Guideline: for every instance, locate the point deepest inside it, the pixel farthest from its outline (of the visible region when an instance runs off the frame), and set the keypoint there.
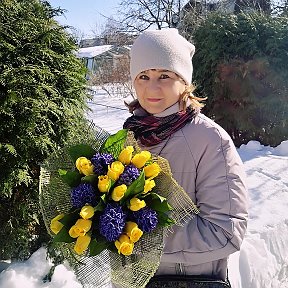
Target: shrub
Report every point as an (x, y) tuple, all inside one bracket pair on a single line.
[(42, 102), (241, 64), (251, 101)]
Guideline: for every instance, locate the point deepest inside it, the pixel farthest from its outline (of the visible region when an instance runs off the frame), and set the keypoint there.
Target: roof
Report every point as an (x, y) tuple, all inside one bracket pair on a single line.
[(90, 52)]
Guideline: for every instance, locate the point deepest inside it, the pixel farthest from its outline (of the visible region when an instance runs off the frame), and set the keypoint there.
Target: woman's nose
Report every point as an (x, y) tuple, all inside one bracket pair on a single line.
[(153, 84)]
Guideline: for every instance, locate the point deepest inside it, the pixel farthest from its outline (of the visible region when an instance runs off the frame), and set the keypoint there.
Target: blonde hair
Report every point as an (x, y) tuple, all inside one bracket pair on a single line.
[(188, 99)]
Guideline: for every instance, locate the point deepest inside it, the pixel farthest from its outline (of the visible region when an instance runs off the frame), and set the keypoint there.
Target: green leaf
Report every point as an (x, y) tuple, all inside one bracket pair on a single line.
[(72, 178), (157, 202), (81, 150), (103, 197), (101, 205), (10, 148), (136, 187), (63, 236), (164, 220), (111, 184), (120, 136), (97, 247), (112, 248), (70, 218), (115, 143), (92, 179)]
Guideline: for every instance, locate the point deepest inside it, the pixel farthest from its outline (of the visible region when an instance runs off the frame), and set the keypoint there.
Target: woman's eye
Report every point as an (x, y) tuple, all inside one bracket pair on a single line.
[(143, 77), (164, 76)]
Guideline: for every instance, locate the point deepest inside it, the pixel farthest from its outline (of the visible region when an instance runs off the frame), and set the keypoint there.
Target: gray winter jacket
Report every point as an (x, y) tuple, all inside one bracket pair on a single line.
[(204, 161)]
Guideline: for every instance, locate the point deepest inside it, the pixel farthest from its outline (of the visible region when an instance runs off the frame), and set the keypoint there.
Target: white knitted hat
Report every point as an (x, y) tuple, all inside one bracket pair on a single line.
[(162, 49)]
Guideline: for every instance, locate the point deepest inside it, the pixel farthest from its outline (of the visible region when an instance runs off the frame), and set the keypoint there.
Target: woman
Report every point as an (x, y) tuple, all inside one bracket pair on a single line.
[(167, 121)]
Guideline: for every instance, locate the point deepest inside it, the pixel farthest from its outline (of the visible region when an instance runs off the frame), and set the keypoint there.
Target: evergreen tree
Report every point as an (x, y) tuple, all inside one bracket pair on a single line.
[(42, 102)]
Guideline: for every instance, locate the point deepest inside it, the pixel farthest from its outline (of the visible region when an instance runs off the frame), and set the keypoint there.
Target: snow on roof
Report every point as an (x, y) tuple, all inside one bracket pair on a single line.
[(90, 52)]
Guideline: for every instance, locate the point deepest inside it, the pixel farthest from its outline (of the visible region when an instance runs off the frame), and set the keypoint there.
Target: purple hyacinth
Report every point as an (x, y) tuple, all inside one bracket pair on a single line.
[(83, 194), (100, 162), (146, 219), (129, 174), (112, 222)]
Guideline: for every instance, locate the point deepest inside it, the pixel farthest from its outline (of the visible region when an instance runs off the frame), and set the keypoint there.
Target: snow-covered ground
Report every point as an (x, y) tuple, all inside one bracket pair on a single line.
[(263, 258), (262, 261)]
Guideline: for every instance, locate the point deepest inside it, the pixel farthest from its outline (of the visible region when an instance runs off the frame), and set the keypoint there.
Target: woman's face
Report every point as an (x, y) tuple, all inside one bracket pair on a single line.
[(158, 89)]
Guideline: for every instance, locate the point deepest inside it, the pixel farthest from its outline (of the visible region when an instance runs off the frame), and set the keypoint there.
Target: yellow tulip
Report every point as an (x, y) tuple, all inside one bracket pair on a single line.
[(81, 227), (118, 192), (124, 245), (84, 166), (149, 185), (136, 204), (132, 230), (140, 159), (103, 183), (87, 212), (152, 170), (55, 225), (126, 155), (115, 170), (74, 232), (82, 244)]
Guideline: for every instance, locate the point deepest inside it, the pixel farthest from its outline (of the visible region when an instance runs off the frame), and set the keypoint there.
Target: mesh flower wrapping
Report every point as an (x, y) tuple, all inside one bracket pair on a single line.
[(102, 243)]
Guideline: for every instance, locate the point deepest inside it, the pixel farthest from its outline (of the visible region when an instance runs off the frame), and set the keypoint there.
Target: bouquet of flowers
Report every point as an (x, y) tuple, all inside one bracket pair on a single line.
[(114, 199), (111, 207)]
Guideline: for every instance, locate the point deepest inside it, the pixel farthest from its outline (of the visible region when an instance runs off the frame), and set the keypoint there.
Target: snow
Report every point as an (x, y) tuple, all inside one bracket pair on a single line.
[(90, 52), (29, 274), (262, 261), (263, 258)]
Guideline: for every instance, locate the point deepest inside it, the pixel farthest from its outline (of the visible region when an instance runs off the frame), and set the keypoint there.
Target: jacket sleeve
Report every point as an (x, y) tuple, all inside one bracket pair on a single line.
[(221, 196)]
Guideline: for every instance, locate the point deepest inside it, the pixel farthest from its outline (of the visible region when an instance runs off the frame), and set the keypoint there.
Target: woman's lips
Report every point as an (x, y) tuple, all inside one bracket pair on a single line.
[(153, 99)]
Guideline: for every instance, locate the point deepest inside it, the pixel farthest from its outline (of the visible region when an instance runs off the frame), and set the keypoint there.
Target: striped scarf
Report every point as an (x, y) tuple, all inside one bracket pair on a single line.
[(151, 130)]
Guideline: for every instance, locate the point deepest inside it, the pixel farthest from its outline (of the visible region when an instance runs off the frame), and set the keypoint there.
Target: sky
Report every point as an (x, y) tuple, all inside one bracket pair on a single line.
[(262, 259), (85, 15)]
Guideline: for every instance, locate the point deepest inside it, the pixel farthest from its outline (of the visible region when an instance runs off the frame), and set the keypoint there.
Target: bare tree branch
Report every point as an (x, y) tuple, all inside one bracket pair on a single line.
[(138, 15)]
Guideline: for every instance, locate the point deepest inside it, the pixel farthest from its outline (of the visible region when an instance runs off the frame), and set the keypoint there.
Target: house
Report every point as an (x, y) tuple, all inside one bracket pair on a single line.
[(203, 7), (90, 54), (97, 57), (229, 6), (116, 38)]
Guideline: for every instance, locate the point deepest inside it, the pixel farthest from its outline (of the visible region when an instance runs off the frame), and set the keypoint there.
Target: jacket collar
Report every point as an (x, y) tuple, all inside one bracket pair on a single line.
[(170, 110)]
